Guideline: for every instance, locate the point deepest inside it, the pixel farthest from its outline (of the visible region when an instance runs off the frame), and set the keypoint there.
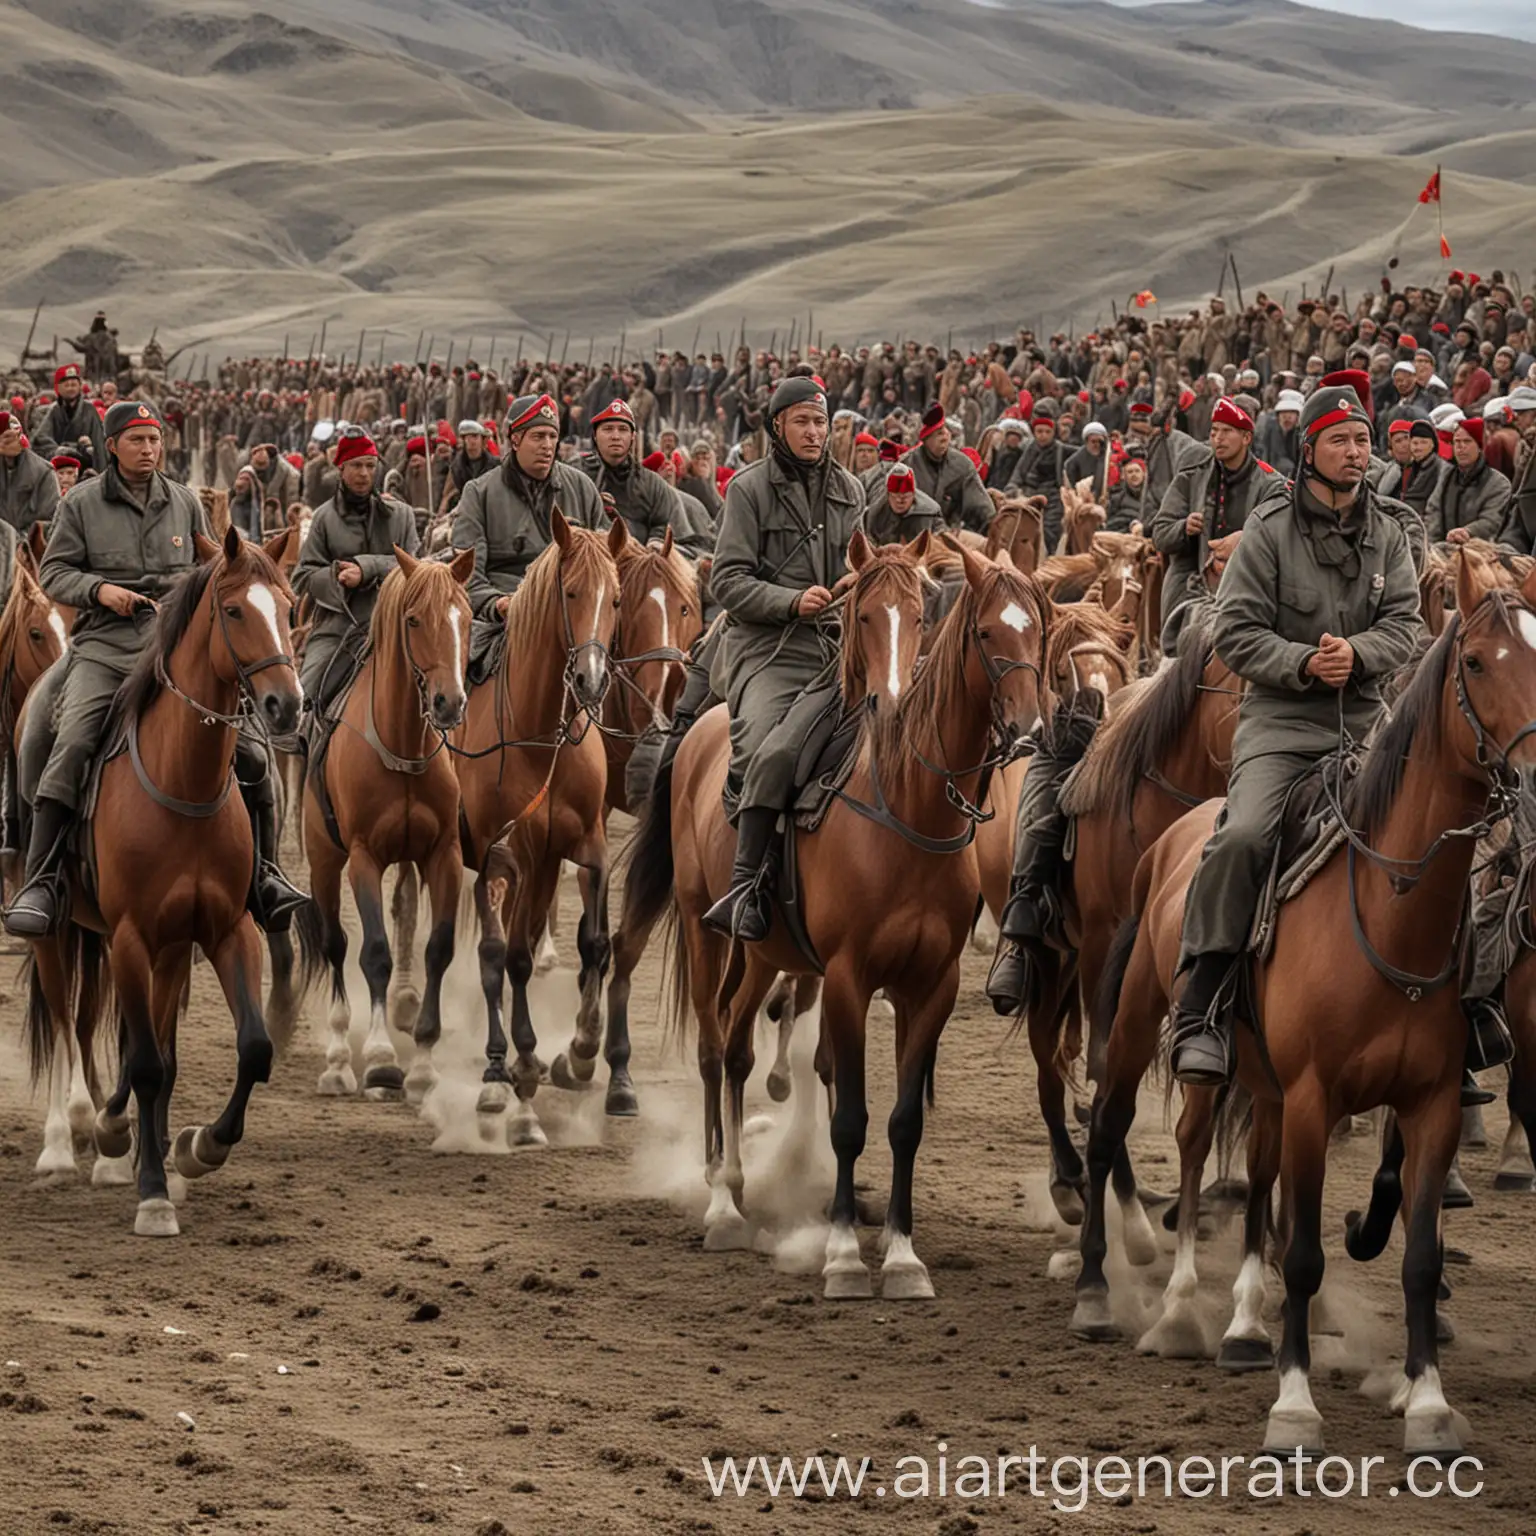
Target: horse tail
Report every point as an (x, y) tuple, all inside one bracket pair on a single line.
[(39, 1026), (314, 963), (677, 1010), (648, 872), (83, 965), (1366, 1236), (93, 1000)]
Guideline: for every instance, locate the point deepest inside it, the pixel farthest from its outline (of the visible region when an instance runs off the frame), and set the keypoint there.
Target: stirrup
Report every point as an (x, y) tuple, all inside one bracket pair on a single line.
[(1204, 1050), (1489, 1041), (34, 911), (1008, 979)]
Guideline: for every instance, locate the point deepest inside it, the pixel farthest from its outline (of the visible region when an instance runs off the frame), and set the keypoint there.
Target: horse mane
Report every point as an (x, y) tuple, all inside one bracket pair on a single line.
[(1371, 796), (535, 606), (1135, 739), (397, 588), (897, 737), (643, 566)]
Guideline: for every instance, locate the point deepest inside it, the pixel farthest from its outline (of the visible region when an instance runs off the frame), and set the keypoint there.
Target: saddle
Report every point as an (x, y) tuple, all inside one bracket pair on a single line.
[(826, 759)]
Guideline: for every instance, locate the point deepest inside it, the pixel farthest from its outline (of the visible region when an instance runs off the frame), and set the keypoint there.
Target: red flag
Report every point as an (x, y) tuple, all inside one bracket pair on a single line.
[(1445, 249), (1145, 297), (1431, 192)]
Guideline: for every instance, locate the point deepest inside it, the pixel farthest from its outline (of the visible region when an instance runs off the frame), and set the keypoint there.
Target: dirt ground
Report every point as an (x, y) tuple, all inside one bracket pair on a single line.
[(369, 1333)]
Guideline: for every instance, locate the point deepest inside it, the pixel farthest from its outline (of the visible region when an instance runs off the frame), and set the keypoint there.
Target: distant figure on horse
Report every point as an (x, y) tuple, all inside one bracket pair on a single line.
[(118, 543)]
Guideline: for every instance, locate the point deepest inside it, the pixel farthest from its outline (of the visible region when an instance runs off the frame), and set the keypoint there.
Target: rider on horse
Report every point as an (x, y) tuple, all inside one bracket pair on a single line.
[(783, 546), (349, 552), (640, 496), (1318, 605), (118, 542), (504, 518)]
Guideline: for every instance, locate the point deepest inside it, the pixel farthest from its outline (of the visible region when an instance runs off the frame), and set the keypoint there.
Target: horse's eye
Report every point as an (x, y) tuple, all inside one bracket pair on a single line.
[(234, 611), (983, 634), (615, 602), (863, 618), (683, 611), (413, 621), (36, 636), (1474, 666)]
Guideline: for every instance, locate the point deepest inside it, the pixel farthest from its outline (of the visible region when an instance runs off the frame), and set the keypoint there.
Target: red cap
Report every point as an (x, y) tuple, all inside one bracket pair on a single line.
[(445, 434), (362, 447), (1230, 414), (933, 419), (1026, 402), (866, 440), (7, 421), (1186, 398), (416, 444), (1141, 408), (59, 460), (901, 478), (296, 459), (653, 461), (1473, 427), (679, 462), (890, 450), (1399, 426), (975, 458), (615, 410), (65, 371), (542, 410), (1356, 379), (723, 476)]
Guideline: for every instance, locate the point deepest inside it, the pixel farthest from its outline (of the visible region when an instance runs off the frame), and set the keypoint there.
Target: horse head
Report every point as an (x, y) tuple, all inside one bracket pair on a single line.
[(426, 612), (660, 616), (588, 580), (1493, 668), (250, 643), (32, 631), (883, 625), (1007, 620)]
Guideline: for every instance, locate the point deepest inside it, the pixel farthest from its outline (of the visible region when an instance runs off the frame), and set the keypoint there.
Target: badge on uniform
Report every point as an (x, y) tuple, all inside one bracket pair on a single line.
[(1378, 581), (175, 541)]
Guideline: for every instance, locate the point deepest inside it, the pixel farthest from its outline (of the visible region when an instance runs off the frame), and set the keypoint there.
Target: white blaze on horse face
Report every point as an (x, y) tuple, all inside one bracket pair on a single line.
[(1527, 622), (56, 623), (659, 597), (458, 649), (893, 678), (1015, 617), (259, 596)]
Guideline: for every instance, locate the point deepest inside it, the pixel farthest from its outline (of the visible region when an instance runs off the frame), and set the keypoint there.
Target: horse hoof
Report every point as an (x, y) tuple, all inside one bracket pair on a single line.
[(1445, 1329), (778, 1086), (191, 1153), (112, 1172), (1514, 1183), (621, 1101), (1292, 1431), (337, 1083), (419, 1084), (1473, 1132), (56, 1164), (1091, 1320), (730, 1233), (1456, 1197), (1239, 1355), (1068, 1202), (1064, 1264), (563, 1073), (1431, 1432), (847, 1283), (114, 1138), (175, 1187), (384, 1084), (906, 1282), (530, 1134), (156, 1218), (494, 1098)]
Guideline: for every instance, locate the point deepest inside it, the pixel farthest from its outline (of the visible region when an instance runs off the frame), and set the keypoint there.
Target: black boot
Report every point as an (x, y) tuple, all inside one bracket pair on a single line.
[(1011, 978), (34, 911), (1489, 1044), (1204, 1052), (273, 898), (745, 910)]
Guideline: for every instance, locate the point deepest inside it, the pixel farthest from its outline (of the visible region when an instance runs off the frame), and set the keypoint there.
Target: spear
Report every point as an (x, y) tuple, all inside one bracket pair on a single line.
[(564, 348), (285, 346), (382, 335), (789, 346), (1237, 282), (419, 335), (490, 353), (693, 351), (1221, 281), (623, 336), (469, 351), (1328, 281), (591, 343), (360, 336)]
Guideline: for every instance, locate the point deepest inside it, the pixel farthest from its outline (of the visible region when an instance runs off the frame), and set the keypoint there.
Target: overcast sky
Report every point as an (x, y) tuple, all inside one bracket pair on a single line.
[(1506, 18)]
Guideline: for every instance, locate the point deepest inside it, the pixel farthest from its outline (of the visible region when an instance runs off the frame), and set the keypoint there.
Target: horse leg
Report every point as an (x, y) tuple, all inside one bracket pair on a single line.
[(282, 997), (628, 946), (156, 1216), (444, 875), (1516, 1172), (706, 957), (904, 1276), (573, 1069), (237, 961), (1178, 1334), (56, 1162), (1294, 1421), (167, 991), (530, 901), (326, 862), (782, 1006), (1430, 1138), (496, 1087), (1051, 1091), (113, 1131), (844, 1007), (549, 957), (1129, 1052), (382, 1077), (1245, 1346), (739, 1013), (404, 997)]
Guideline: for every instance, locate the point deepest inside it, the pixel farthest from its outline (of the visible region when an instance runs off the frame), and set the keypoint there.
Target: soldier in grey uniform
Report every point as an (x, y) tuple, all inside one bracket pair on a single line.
[(349, 552), (504, 518), (640, 496), (118, 541), (1205, 508), (29, 490), (1319, 597), (947, 475), (783, 546), (899, 512)]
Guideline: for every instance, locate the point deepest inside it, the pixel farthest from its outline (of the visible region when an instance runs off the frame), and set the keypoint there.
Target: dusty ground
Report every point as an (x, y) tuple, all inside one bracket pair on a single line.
[(369, 1333)]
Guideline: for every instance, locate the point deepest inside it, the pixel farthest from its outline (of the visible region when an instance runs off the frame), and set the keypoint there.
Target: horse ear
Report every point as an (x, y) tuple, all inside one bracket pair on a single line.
[(1469, 590), (232, 543), (406, 562), (859, 552), (25, 559), (463, 564), (918, 548), (975, 567), (204, 547), (618, 537), (276, 548), (666, 543), (37, 542), (1004, 557), (560, 530)]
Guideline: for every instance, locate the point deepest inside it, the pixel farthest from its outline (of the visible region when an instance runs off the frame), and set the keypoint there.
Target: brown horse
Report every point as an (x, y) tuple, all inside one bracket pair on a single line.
[(533, 773), (1081, 518), (887, 882), (1356, 1004), (395, 798), (170, 843)]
